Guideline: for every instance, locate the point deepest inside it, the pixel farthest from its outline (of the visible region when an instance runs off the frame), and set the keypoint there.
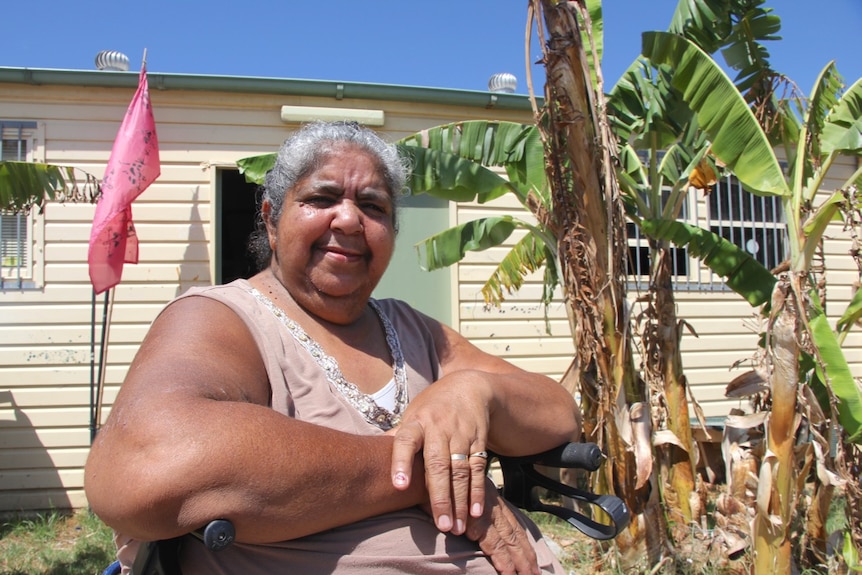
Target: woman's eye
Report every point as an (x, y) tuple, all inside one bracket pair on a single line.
[(320, 201), (374, 207)]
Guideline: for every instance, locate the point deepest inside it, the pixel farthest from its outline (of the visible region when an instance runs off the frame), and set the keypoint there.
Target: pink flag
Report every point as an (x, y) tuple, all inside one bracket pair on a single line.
[(132, 167)]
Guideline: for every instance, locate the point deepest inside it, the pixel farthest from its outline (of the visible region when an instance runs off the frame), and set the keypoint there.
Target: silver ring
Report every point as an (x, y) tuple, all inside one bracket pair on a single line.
[(482, 454), (458, 457)]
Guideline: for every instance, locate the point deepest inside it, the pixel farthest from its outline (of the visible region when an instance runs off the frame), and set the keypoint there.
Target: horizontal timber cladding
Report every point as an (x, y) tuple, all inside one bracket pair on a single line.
[(46, 332), (46, 328)]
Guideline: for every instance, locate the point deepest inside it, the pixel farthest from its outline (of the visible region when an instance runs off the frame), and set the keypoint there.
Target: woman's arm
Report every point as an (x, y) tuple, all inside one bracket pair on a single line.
[(480, 402), (528, 412), (191, 438)]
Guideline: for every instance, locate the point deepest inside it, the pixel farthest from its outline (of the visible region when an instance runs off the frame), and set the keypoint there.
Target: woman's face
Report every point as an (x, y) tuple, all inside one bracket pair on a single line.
[(335, 235)]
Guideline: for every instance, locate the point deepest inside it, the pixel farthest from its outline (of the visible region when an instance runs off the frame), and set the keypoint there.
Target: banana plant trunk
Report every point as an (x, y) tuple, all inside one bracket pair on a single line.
[(589, 222), (663, 369), (777, 493)]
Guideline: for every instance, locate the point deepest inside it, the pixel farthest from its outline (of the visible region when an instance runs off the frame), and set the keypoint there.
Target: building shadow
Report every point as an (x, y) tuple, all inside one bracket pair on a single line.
[(193, 268), (31, 481)]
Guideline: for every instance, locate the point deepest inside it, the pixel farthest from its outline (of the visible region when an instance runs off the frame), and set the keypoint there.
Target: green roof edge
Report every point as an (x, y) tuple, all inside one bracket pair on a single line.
[(261, 85)]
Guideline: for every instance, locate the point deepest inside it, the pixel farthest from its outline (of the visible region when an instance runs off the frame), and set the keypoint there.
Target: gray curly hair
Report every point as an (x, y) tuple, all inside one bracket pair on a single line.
[(302, 153)]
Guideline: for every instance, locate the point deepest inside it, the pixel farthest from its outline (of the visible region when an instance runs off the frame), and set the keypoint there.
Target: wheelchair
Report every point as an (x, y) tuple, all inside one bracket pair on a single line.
[(522, 485)]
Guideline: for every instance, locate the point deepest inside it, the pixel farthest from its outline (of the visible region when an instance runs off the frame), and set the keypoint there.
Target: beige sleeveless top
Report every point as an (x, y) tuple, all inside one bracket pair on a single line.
[(405, 541)]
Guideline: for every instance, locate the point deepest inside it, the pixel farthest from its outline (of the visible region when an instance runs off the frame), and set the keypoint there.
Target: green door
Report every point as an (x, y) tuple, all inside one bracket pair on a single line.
[(429, 292)]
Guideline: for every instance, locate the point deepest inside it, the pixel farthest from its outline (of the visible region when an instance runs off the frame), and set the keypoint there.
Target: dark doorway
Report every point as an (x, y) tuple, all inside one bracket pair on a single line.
[(237, 207)]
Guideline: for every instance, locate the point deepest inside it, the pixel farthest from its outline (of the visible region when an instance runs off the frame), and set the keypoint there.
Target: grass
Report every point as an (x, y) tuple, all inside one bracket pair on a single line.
[(80, 544), (55, 544)]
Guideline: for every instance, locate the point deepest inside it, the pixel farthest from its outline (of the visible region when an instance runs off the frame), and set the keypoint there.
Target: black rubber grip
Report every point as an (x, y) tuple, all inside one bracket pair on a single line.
[(573, 455), (219, 534), (567, 456)]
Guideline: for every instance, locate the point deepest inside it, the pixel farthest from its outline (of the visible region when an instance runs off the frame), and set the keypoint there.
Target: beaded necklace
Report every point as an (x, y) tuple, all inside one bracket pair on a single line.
[(362, 402)]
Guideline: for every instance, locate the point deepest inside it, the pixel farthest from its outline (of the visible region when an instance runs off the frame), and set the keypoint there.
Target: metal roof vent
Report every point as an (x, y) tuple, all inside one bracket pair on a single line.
[(503, 82), (112, 60)]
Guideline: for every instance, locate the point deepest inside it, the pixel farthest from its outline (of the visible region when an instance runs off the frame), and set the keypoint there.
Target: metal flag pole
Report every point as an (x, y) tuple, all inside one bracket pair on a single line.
[(107, 312)]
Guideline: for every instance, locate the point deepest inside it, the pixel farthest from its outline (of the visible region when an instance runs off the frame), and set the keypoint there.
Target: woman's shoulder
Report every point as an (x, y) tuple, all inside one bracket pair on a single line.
[(236, 296), (219, 291)]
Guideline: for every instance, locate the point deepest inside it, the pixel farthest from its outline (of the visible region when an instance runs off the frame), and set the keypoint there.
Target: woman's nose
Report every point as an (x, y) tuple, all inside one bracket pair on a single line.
[(347, 218)]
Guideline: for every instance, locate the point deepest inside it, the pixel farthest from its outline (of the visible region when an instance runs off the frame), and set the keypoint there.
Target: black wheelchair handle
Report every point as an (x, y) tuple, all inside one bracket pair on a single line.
[(586, 456), (217, 535)]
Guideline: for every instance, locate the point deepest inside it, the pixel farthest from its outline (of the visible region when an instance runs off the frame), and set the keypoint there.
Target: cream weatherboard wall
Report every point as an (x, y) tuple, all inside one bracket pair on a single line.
[(45, 367), (204, 125)]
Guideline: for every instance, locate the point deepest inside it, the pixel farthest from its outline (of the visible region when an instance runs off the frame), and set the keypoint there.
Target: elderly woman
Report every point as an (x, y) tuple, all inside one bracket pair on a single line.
[(338, 433)]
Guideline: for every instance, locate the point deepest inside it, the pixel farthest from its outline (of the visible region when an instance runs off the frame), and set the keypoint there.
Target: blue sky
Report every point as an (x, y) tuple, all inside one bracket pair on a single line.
[(440, 43)]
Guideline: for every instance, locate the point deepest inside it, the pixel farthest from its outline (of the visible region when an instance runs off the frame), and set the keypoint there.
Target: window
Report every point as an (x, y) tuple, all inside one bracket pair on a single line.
[(639, 260), (753, 223), (16, 230)]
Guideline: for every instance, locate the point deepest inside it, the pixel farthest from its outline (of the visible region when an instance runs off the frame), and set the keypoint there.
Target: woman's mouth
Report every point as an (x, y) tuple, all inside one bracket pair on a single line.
[(342, 254)]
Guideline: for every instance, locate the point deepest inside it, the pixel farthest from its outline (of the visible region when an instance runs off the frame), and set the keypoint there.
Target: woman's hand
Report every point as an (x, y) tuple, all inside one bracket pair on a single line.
[(448, 422), (502, 537)]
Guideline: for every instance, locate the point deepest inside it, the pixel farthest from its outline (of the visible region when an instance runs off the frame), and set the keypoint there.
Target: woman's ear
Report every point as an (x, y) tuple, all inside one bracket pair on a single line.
[(265, 213)]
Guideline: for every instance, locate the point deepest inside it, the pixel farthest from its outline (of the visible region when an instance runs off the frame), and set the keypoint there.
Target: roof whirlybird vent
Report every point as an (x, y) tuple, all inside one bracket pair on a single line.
[(112, 60), (503, 82)]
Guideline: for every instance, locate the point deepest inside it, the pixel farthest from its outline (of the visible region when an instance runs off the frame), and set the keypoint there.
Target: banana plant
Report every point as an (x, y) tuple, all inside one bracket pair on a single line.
[(828, 128), (647, 116), (440, 158), (662, 154), (25, 185), (650, 117)]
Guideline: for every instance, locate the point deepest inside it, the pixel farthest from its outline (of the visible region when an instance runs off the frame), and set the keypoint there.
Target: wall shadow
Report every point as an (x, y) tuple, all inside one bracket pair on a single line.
[(196, 255), (30, 481)]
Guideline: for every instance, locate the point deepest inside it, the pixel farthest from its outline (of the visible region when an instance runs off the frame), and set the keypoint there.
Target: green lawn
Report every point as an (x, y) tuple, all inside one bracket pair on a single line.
[(55, 544), (80, 544)]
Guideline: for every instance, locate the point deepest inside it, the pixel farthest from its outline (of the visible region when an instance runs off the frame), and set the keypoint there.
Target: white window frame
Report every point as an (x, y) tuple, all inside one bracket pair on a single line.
[(28, 228)]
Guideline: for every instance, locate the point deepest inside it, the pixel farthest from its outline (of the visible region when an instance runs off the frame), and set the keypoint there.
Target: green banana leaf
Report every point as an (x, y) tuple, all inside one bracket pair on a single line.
[(254, 168), (850, 554), (742, 273), (24, 185), (451, 245), (516, 147), (645, 110), (527, 256), (737, 138), (842, 130), (852, 314), (838, 373), (529, 174), (485, 142), (824, 97), (454, 162), (826, 213), (450, 177), (745, 50), (597, 30), (703, 21)]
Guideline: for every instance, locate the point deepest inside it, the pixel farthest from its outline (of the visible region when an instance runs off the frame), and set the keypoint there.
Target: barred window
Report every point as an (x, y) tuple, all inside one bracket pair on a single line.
[(753, 223), (639, 259), (16, 230)]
